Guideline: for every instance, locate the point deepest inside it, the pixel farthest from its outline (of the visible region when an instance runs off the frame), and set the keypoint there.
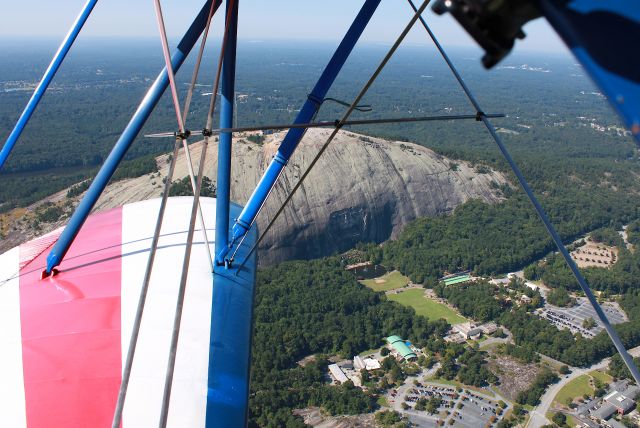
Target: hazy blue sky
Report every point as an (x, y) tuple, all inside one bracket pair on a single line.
[(260, 20)]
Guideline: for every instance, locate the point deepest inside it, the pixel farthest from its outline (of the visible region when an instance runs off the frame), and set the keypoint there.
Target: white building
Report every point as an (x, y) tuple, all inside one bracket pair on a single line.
[(365, 363), (467, 330), (337, 374)]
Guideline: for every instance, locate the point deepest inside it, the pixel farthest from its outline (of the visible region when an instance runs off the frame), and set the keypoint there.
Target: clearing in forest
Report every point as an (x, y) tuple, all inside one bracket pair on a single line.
[(574, 389), (386, 282), (427, 307)]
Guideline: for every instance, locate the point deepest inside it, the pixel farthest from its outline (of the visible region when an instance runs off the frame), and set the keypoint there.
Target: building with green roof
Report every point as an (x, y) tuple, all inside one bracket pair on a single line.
[(401, 348)]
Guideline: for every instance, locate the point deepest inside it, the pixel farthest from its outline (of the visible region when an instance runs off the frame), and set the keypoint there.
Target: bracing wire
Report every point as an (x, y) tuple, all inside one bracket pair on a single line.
[(133, 341), (338, 126), (333, 123), (176, 104), (168, 382), (540, 211)]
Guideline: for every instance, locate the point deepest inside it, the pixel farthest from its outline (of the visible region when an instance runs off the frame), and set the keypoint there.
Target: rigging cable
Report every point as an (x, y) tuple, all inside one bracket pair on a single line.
[(133, 341), (168, 382), (540, 211), (338, 126), (334, 123), (183, 133)]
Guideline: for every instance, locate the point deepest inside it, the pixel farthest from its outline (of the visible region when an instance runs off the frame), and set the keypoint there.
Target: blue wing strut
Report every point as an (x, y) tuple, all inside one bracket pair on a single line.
[(46, 80)]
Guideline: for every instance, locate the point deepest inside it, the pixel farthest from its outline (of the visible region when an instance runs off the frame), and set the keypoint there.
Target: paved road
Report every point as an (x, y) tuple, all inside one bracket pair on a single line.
[(538, 417), (497, 340)]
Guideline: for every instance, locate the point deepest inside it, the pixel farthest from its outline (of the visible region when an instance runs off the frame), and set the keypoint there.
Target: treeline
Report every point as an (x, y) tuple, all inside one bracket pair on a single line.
[(537, 335), (608, 236), (316, 307), (474, 300), (531, 395), (183, 188), (618, 369), (560, 297), (467, 365), (492, 239)]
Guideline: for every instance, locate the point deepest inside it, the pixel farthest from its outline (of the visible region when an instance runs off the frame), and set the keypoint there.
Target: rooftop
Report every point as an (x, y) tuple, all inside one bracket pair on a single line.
[(401, 347), (605, 411)]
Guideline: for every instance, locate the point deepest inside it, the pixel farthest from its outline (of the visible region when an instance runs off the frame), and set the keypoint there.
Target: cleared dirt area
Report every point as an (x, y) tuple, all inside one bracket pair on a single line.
[(514, 376), (314, 417), (595, 255)]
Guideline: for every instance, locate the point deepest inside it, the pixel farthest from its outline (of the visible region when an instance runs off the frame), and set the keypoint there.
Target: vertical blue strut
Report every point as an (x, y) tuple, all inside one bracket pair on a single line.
[(293, 137), (126, 139), (227, 91), (46, 80)]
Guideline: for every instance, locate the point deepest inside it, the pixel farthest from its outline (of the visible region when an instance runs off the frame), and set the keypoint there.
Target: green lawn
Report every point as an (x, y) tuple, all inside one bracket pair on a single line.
[(574, 389), (603, 377), (386, 282), (369, 352), (427, 307)]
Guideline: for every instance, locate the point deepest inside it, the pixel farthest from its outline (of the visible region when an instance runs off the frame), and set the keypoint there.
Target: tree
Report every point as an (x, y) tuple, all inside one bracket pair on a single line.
[(564, 369), (421, 404), (433, 405), (589, 323), (388, 418), (499, 333), (384, 351), (560, 297), (559, 418)]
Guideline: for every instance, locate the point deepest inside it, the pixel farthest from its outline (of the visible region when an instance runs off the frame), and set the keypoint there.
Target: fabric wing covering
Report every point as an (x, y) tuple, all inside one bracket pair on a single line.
[(64, 338)]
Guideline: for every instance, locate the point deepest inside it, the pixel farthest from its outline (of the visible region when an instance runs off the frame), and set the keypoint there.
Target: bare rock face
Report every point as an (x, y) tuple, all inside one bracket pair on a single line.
[(361, 189)]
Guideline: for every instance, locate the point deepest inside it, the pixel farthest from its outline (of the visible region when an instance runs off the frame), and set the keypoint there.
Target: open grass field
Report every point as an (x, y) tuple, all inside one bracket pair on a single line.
[(603, 377), (427, 307), (369, 352), (386, 282), (576, 388)]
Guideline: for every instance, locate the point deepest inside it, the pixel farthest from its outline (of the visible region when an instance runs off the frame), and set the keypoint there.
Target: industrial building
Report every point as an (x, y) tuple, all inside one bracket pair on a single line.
[(400, 349), (621, 403), (337, 374), (365, 363)]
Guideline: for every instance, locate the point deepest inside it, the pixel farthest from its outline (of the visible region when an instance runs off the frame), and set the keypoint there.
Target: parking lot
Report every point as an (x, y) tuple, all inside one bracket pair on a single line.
[(574, 317), (463, 408)]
